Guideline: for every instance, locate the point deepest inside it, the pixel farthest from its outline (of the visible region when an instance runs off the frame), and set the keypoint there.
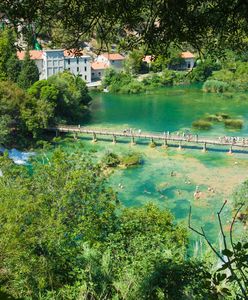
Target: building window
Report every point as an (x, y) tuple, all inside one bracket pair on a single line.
[(77, 69), (77, 60), (69, 69), (93, 74), (85, 60), (69, 61), (85, 77), (85, 69), (99, 73)]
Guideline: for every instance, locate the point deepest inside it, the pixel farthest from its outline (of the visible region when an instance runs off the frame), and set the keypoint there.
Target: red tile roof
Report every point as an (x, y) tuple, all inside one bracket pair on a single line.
[(113, 56), (34, 54), (98, 65), (187, 54)]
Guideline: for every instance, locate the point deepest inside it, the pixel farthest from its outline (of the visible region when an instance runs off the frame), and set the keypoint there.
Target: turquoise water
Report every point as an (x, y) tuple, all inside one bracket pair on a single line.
[(215, 173), (167, 109)]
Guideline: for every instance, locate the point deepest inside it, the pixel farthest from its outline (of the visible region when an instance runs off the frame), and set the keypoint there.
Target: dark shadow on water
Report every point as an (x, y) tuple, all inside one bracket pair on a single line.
[(148, 187), (159, 144), (181, 210), (170, 192)]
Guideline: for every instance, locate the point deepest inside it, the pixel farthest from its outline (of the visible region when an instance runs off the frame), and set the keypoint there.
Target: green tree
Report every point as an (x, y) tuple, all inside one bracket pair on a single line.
[(204, 70), (159, 63), (13, 68), (72, 99), (133, 63), (7, 52), (46, 218), (11, 99), (29, 72), (212, 24)]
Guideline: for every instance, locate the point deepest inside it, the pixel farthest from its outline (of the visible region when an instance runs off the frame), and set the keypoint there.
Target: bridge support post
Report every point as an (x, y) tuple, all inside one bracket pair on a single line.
[(132, 140), (180, 145), (114, 139), (94, 140), (204, 148), (165, 144), (152, 143), (75, 136), (230, 149), (57, 133)]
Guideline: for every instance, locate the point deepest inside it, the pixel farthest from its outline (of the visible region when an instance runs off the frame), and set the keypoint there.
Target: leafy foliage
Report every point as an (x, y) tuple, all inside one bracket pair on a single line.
[(203, 70), (43, 230), (215, 86), (11, 101), (7, 55), (24, 115), (67, 241), (210, 25), (29, 72), (111, 159)]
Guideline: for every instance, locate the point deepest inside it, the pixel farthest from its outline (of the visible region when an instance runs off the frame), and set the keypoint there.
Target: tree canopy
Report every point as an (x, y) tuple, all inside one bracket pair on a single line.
[(153, 23), (64, 236)]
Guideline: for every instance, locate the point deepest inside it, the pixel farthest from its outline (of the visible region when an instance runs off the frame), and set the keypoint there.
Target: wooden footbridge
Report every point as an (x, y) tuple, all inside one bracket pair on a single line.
[(164, 137)]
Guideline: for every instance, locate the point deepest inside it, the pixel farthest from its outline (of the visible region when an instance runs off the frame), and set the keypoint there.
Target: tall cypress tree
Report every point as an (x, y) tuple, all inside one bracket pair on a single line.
[(29, 72), (13, 67), (7, 50)]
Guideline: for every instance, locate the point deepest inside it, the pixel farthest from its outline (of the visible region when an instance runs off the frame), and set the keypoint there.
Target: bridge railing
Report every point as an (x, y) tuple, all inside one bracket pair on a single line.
[(180, 136)]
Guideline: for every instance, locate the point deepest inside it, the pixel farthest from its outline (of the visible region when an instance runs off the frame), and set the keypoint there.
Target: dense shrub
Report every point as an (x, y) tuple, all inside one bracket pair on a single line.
[(203, 70), (215, 86), (127, 84), (234, 79), (111, 160)]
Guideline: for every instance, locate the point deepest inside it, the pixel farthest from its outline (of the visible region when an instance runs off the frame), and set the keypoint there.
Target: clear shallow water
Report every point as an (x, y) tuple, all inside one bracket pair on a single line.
[(174, 109), (167, 109)]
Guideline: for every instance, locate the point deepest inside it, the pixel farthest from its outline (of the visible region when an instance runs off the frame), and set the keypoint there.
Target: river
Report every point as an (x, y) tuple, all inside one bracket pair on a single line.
[(215, 173)]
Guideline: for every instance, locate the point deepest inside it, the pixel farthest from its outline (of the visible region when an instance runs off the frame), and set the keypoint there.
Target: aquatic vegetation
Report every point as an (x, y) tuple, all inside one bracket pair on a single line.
[(223, 115), (202, 124), (213, 118), (131, 159), (232, 123), (217, 117)]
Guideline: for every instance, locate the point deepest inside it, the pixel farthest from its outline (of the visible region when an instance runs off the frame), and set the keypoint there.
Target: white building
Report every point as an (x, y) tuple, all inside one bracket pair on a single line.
[(113, 60), (51, 62), (97, 70), (189, 59), (78, 65)]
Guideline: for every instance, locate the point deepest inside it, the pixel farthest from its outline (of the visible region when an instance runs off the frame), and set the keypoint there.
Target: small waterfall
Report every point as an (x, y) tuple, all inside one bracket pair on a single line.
[(19, 157), (196, 249)]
